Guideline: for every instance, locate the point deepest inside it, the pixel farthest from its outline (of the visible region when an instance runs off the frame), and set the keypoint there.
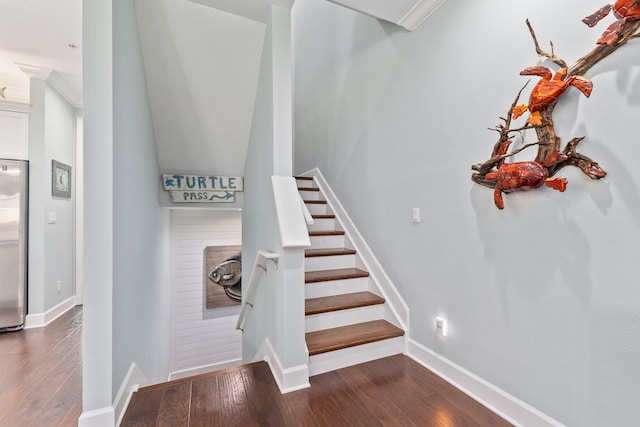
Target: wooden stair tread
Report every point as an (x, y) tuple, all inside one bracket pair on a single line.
[(306, 178), (326, 233), (315, 202), (308, 189), (310, 253), (340, 302), (327, 216), (349, 336), (337, 274)]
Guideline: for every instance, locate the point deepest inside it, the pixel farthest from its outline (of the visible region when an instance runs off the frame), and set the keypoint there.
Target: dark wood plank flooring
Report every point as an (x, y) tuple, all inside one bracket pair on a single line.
[(41, 374), (394, 391)]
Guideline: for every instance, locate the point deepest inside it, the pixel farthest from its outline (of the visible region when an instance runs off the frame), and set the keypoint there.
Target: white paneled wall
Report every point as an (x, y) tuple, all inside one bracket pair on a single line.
[(203, 340)]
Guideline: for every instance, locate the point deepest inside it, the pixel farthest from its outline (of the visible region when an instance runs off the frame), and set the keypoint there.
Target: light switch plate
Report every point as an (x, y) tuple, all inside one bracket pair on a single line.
[(52, 217), (415, 219)]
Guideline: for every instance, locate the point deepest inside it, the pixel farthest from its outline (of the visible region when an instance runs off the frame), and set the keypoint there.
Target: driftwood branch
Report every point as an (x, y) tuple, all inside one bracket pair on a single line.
[(551, 55), (548, 141), (584, 64)]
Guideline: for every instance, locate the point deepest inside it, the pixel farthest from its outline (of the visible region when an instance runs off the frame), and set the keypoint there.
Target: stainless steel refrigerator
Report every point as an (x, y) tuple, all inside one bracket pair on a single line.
[(13, 244)]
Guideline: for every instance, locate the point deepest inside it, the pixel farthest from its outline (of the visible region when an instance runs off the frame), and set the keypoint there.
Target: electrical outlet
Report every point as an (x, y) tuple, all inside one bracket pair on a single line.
[(441, 326), (59, 286)]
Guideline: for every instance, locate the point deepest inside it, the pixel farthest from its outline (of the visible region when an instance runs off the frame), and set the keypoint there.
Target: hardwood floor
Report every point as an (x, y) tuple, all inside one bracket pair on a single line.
[(41, 374), (395, 391)]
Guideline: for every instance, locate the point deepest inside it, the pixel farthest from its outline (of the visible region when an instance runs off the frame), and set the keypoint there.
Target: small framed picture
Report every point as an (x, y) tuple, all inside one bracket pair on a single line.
[(60, 180)]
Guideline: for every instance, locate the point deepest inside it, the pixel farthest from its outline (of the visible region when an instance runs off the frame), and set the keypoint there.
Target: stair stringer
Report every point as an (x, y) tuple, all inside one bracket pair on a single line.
[(397, 309)]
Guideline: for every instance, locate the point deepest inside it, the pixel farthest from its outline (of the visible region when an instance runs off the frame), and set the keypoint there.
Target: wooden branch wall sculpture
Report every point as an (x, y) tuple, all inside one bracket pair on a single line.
[(506, 177)]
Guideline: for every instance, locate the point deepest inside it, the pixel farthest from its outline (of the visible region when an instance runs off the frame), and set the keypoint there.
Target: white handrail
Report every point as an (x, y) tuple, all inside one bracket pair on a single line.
[(261, 257)]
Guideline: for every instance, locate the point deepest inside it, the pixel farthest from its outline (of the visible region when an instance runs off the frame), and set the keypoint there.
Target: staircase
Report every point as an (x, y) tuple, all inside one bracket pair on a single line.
[(347, 319)]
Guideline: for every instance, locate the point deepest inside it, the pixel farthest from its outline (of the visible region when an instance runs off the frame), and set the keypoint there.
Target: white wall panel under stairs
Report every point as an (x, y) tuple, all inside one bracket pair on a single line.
[(202, 343)]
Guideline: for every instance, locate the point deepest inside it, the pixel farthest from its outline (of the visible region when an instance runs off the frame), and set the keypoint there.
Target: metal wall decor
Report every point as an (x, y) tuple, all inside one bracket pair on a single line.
[(505, 177), (60, 180), (222, 276)]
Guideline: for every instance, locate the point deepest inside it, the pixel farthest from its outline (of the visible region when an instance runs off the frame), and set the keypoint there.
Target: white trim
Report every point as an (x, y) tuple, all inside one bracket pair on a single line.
[(288, 380), (40, 320), (418, 13), (16, 107), (291, 223), (205, 369), (79, 212), (33, 71), (502, 403), (371, 264), (59, 85), (103, 417), (133, 380)]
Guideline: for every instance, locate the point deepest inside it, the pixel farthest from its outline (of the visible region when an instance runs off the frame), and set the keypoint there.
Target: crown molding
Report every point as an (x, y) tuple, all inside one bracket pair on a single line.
[(17, 107), (408, 14), (60, 86), (34, 72), (420, 11), (54, 80)]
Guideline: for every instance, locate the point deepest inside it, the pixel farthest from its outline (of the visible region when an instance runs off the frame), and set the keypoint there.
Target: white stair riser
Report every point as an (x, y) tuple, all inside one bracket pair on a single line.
[(323, 242), (310, 195), (306, 183), (326, 362), (317, 209), (322, 224), (336, 287), (329, 262), (336, 319)]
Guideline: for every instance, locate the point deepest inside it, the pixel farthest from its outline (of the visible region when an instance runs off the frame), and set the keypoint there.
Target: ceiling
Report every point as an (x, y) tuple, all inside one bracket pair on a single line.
[(44, 34), (39, 36), (44, 37)]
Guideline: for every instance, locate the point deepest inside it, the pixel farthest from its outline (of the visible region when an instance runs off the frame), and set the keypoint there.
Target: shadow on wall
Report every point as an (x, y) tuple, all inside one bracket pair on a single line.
[(529, 243)]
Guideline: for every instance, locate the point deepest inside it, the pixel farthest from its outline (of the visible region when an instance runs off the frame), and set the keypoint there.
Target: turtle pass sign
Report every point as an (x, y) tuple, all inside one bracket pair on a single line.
[(201, 188)]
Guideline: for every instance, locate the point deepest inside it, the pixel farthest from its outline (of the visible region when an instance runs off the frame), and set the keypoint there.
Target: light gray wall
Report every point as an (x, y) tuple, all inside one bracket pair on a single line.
[(60, 134), (51, 245), (541, 297), (278, 305), (126, 257), (141, 260), (97, 355), (259, 224)]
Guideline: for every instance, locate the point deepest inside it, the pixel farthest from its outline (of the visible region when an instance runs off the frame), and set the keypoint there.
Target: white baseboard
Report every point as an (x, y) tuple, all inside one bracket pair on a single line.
[(40, 320), (288, 380), (134, 379), (102, 417), (204, 369), (502, 403)]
